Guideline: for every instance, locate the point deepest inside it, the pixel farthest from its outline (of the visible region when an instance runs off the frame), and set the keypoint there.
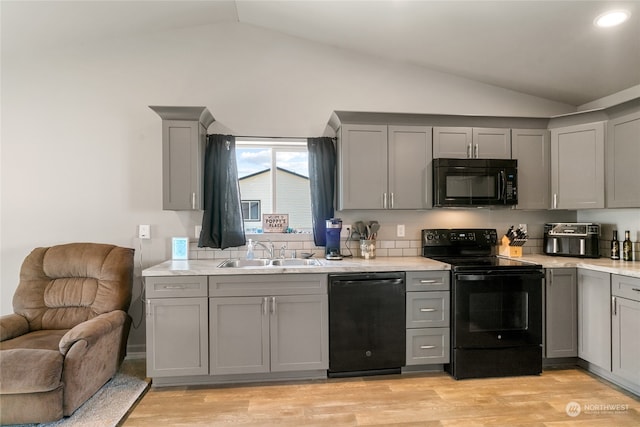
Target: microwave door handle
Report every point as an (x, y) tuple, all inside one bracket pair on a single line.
[(502, 191)]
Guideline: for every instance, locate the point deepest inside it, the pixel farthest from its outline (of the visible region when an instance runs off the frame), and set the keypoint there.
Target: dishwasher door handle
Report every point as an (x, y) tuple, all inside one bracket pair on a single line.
[(369, 282)]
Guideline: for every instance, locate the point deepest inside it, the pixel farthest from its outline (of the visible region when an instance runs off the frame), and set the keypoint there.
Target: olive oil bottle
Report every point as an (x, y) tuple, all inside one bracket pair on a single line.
[(615, 246), (626, 247)]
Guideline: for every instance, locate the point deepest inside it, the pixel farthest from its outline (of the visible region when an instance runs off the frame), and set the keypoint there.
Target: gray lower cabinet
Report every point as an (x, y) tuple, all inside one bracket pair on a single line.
[(594, 317), (623, 152), (577, 166), (177, 326), (428, 312), (561, 313), (268, 323), (477, 143), (625, 326), (532, 149)]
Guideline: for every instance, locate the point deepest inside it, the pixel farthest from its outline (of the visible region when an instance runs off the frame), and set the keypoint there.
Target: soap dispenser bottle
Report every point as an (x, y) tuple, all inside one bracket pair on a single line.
[(250, 250)]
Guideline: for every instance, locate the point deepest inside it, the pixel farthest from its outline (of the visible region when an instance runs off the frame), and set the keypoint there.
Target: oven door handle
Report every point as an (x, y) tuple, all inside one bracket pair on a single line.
[(490, 275)]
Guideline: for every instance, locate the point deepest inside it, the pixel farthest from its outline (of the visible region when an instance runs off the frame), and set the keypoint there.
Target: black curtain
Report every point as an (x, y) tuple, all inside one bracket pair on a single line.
[(222, 225), (322, 176)]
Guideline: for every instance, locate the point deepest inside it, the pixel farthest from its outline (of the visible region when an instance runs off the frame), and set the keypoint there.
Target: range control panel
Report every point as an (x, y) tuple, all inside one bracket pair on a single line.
[(459, 237)]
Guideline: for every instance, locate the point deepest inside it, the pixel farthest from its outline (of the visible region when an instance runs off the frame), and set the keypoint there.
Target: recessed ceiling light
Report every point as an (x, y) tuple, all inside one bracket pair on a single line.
[(611, 18)]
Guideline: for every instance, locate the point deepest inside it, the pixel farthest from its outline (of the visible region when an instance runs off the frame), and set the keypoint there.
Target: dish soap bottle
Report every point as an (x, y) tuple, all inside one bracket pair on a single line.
[(250, 250), (615, 246), (626, 247)]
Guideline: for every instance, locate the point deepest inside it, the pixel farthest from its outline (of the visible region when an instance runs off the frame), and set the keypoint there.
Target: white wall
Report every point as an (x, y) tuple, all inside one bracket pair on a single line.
[(81, 152)]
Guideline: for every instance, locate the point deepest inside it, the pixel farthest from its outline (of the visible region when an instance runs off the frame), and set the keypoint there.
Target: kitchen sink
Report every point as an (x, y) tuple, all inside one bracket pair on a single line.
[(289, 262), (294, 262)]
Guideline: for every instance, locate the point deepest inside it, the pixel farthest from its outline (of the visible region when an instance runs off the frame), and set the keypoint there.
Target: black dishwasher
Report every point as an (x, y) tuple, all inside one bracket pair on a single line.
[(367, 326)]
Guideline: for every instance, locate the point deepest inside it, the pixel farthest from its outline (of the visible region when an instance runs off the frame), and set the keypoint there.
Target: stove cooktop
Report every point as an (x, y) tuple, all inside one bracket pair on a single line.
[(489, 262)]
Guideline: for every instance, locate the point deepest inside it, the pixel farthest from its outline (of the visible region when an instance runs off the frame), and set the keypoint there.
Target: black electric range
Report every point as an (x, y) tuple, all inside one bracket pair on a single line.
[(496, 305)]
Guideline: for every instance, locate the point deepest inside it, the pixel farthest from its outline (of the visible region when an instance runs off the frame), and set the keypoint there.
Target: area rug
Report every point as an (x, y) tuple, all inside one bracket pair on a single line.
[(109, 406)]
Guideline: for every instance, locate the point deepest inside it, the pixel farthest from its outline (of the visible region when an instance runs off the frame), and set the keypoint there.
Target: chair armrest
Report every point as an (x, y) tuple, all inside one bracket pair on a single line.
[(13, 325), (91, 330)]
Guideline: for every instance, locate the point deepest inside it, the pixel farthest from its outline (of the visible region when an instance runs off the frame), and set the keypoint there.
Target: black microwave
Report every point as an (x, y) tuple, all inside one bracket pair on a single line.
[(475, 182)]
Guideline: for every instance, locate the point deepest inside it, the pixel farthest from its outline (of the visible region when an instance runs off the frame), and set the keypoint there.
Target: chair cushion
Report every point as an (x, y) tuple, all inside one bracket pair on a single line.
[(42, 340), (30, 370), (64, 285)]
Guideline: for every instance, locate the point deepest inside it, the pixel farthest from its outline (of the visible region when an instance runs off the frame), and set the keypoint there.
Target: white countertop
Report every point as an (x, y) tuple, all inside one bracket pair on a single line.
[(353, 265), (346, 265), (624, 268)]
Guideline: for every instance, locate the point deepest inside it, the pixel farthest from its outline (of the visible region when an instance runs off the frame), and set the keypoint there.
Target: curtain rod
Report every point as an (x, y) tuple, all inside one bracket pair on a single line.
[(277, 137)]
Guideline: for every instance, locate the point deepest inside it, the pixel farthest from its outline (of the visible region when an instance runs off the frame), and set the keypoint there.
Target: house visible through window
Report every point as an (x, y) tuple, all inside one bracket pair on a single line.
[(284, 192)]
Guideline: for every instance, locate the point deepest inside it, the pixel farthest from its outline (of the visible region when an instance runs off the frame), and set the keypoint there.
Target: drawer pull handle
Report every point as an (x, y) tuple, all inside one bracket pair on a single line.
[(635, 289), (174, 287), (427, 282), (427, 309), (427, 347)]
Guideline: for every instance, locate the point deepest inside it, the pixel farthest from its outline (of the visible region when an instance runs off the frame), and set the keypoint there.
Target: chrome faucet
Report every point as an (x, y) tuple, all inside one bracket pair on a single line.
[(282, 251), (269, 248)]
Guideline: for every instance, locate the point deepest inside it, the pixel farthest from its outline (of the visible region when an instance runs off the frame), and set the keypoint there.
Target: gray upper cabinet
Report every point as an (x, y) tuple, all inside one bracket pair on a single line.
[(623, 154), (532, 149), (561, 313), (577, 166), (477, 143), (184, 133), (384, 167)]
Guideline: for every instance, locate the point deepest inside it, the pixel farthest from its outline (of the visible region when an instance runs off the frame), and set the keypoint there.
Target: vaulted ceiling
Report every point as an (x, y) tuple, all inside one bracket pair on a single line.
[(549, 49)]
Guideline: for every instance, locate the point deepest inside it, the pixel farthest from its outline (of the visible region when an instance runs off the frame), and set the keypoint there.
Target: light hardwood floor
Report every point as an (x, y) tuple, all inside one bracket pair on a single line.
[(427, 399)]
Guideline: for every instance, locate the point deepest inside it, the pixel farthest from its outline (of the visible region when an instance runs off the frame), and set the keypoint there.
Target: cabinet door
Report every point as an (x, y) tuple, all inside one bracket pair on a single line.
[(532, 149), (362, 167), (299, 333), (623, 152), (239, 335), (427, 309), (491, 143), (594, 317), (182, 164), (452, 142), (177, 337), (626, 345), (561, 307), (410, 173), (577, 167)]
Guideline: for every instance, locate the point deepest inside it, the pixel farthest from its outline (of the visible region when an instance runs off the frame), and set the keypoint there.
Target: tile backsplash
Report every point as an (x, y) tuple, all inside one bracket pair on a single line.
[(304, 243)]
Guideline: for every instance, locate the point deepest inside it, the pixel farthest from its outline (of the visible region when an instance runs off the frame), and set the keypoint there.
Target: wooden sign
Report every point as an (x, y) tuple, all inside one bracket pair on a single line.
[(275, 223)]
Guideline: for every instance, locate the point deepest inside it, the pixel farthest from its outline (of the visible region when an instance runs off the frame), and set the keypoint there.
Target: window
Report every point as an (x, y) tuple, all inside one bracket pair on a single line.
[(284, 192), (251, 210)]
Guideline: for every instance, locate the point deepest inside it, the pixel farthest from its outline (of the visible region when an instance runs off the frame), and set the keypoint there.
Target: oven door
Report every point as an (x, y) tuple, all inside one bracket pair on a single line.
[(497, 309)]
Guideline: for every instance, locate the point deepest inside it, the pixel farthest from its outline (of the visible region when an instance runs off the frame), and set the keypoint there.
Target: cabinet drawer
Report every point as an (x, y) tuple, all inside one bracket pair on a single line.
[(437, 280), (427, 346), (176, 286), (268, 284), (427, 309), (625, 286)]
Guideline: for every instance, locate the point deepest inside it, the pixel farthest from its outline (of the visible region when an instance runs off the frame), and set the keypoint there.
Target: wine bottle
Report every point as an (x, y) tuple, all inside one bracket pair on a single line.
[(626, 247), (615, 246)]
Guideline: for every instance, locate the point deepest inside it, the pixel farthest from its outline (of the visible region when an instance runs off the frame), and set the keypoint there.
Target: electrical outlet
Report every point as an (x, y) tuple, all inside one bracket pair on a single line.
[(400, 230), (144, 231), (346, 231)]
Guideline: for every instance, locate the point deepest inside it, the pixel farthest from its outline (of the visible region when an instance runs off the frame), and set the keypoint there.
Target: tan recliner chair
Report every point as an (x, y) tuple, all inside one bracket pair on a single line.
[(68, 333)]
